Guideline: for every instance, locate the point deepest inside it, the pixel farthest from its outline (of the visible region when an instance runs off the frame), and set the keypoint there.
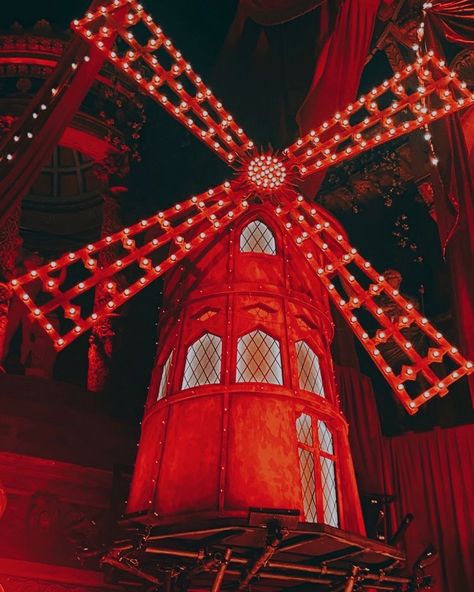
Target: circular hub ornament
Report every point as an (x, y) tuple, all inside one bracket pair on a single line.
[(266, 172)]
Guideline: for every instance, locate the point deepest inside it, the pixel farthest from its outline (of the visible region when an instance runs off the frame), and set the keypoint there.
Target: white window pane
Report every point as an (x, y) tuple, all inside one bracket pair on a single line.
[(308, 485), (258, 358), (164, 378), (203, 362), (325, 438), (256, 237), (304, 429), (328, 479), (308, 369)]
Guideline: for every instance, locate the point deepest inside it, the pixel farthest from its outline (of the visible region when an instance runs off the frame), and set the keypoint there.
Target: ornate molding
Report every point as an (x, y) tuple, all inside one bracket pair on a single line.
[(463, 65), (31, 43)]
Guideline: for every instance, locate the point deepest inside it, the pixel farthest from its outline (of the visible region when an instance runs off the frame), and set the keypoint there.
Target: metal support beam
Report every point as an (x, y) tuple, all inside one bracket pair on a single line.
[(216, 586)]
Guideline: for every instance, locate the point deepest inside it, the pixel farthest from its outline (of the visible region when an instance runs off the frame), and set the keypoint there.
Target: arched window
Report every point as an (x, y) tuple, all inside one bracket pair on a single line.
[(309, 370), (165, 373), (258, 358), (317, 470), (256, 237), (203, 361)]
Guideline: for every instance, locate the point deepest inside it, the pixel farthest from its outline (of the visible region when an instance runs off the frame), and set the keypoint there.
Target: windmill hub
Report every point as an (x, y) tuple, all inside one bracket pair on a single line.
[(266, 172)]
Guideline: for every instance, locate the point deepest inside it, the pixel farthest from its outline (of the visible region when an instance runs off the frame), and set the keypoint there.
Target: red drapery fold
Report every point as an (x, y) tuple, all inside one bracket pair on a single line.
[(365, 436), (433, 476), (452, 181), (338, 69), (454, 20)]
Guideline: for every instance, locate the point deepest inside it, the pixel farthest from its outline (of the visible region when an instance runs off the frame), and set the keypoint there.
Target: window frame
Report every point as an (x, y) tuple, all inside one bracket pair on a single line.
[(166, 372), (317, 452), (324, 394), (185, 362), (268, 227), (261, 329)]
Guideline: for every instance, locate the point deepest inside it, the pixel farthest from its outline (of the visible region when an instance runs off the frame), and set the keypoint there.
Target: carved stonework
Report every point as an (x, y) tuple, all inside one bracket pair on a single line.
[(101, 341), (32, 44), (426, 191), (10, 242), (394, 55), (463, 65)]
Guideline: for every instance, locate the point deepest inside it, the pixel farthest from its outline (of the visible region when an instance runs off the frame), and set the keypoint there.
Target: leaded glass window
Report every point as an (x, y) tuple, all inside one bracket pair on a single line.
[(328, 474), (203, 361), (308, 484), (304, 429), (258, 358), (309, 371), (328, 480), (256, 237), (165, 373), (317, 470)]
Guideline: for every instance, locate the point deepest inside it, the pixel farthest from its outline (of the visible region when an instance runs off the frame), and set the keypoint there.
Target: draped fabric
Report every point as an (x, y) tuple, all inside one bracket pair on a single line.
[(453, 19), (433, 478), (452, 181), (343, 31), (32, 155), (338, 70), (431, 475), (365, 436)]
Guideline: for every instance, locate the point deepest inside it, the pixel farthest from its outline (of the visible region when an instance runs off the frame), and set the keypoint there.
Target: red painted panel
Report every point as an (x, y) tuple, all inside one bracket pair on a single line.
[(144, 478), (188, 480), (262, 462)]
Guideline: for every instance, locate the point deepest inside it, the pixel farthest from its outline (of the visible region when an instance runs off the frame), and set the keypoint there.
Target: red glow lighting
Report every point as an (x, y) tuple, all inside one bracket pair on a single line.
[(359, 127)]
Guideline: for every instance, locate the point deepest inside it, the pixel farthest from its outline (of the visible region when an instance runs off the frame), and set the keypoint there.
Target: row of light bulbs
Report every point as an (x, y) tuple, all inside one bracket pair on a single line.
[(302, 228), (212, 206), (315, 151), (221, 133)]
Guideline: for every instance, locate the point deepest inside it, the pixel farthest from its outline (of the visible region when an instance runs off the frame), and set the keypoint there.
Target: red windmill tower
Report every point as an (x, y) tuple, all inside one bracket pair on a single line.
[(244, 470)]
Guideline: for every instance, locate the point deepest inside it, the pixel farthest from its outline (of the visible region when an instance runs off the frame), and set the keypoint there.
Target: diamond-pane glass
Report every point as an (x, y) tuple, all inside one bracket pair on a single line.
[(304, 430), (256, 237), (308, 369), (164, 378), (203, 362), (258, 359), (325, 438), (328, 479), (308, 485)]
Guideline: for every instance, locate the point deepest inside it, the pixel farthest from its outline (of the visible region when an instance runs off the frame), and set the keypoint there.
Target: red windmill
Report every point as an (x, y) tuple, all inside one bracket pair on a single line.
[(243, 409)]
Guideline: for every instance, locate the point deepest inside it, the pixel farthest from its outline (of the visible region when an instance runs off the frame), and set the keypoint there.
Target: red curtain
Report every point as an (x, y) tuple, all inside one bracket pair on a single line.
[(433, 477), (452, 180), (338, 70), (454, 20), (365, 436)]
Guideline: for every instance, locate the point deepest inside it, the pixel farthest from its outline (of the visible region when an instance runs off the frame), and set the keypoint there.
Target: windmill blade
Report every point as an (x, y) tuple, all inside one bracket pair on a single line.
[(413, 98), (138, 255), (147, 56), (415, 358)]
